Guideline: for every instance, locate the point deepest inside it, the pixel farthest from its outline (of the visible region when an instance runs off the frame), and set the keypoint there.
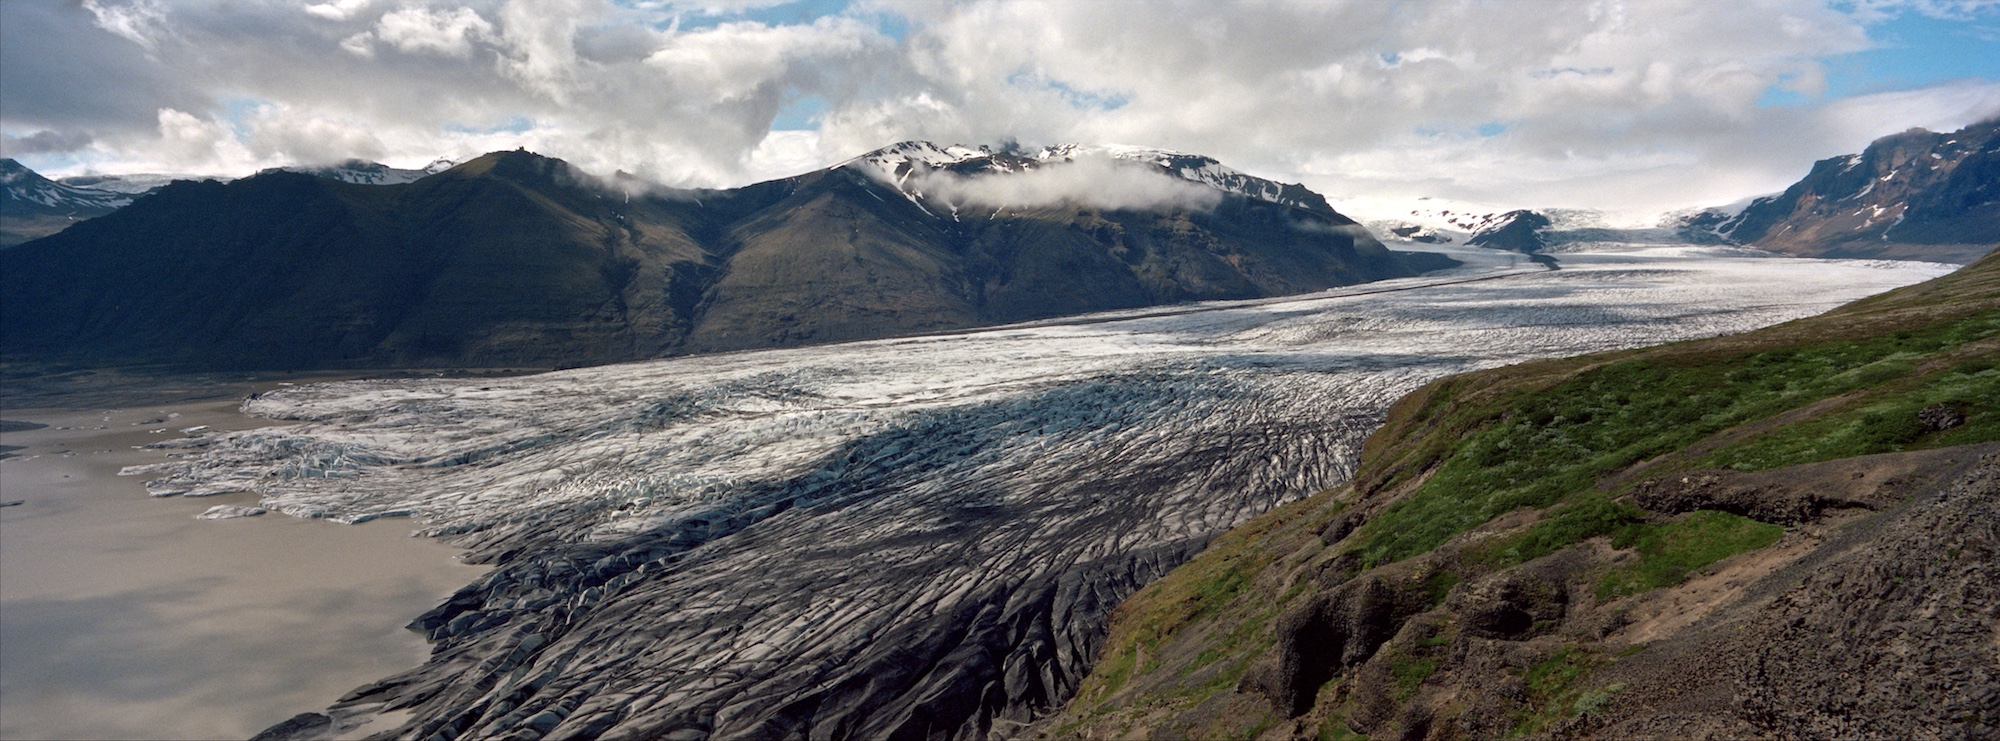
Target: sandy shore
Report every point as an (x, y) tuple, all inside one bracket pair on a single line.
[(122, 616)]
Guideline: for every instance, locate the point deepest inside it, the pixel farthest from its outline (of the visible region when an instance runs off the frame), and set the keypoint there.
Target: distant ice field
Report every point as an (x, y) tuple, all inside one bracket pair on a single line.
[(824, 500)]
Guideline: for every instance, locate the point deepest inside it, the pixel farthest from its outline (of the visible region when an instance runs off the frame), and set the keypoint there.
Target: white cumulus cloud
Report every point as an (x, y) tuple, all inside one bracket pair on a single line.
[(1096, 181), (436, 31)]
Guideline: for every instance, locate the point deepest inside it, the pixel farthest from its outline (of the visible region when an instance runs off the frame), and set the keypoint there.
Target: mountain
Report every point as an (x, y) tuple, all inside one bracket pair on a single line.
[(1516, 231), (363, 172), (1528, 231), (131, 184), (513, 259), (1793, 532), (1917, 195), (32, 206)]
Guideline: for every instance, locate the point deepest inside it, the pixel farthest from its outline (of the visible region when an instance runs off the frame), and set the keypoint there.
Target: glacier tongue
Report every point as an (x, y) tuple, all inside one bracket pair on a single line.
[(915, 536)]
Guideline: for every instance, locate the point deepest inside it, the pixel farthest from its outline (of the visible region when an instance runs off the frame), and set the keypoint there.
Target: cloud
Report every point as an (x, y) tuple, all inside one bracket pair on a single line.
[(280, 132), (142, 22), (539, 41), (738, 60), (42, 142), (418, 30), (1092, 180), (1571, 102), (191, 144), (338, 10)]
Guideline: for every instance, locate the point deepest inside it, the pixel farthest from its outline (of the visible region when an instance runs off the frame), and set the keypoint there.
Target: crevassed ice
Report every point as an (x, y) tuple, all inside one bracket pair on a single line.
[(851, 495), (646, 440)]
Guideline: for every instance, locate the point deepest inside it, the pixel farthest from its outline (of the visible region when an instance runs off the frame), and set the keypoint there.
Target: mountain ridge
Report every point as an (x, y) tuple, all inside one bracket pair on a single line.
[(1916, 195), (1949, 183), (32, 206), (432, 273), (1913, 195)]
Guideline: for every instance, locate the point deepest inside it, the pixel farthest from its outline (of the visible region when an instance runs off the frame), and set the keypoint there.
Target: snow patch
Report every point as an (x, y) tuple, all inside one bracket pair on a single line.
[(904, 166)]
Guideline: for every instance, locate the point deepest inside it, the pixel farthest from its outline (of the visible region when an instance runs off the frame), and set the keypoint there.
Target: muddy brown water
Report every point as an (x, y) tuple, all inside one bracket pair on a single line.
[(123, 617)]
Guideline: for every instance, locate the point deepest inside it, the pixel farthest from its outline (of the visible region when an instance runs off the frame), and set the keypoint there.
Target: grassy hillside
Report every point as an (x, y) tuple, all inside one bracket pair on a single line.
[(1556, 547)]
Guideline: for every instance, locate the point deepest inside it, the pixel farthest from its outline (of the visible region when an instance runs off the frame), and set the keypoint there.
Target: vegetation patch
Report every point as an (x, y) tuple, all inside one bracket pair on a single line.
[(1252, 633), (1161, 610), (1669, 552), (1542, 447), (1438, 585), (1410, 673), (1593, 703), (1553, 693), (1215, 586), (1886, 421), (1334, 728), (1587, 517)]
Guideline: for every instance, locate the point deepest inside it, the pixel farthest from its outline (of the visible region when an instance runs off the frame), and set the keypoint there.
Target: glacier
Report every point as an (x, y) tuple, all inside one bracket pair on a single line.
[(916, 537)]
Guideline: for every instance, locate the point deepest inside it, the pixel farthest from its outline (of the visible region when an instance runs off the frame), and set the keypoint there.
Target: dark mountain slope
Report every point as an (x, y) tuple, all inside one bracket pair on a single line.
[(834, 261), (515, 260), (1793, 532), (1914, 195), (525, 265), (1518, 231), (496, 262)]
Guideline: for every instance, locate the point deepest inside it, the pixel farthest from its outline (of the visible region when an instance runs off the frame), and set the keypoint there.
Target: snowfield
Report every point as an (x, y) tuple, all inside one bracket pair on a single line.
[(919, 535)]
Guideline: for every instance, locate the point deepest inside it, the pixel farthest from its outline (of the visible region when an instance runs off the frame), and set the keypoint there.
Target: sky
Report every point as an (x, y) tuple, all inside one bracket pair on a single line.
[(1644, 105)]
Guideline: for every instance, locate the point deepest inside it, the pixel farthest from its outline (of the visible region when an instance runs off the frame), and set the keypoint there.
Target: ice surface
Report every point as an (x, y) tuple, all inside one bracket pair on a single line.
[(229, 512), (856, 539)]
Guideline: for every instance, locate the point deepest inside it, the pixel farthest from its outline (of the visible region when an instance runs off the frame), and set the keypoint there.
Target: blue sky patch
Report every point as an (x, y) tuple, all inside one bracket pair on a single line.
[(796, 13), (800, 115), (1076, 98), (509, 125), (1916, 50)]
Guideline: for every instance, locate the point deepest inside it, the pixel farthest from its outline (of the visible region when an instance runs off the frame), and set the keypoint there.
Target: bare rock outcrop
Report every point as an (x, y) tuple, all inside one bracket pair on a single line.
[(1898, 636)]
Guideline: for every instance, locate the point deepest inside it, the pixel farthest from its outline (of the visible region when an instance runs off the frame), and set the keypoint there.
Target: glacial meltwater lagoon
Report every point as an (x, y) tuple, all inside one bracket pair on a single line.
[(854, 540)]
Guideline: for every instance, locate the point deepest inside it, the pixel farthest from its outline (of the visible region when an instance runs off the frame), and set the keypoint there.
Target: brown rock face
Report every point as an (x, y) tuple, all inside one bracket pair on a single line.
[(1914, 195), (1510, 605), (1896, 636), (1336, 630)]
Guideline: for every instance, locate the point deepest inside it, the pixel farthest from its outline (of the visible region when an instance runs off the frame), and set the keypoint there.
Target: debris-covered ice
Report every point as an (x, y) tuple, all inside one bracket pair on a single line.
[(918, 535), (229, 512)]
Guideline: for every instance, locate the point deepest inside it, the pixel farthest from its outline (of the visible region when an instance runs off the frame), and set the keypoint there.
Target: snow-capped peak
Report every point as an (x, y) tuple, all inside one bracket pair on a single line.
[(24, 185), (894, 164), (1208, 171), (135, 184), (363, 172)]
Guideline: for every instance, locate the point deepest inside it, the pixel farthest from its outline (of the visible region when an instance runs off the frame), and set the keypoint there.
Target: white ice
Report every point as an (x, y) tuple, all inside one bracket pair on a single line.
[(644, 441)]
